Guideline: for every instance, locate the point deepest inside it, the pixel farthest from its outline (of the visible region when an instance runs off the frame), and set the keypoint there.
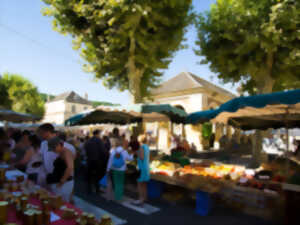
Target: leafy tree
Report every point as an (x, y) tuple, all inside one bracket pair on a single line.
[(46, 96), (23, 95), (97, 103), (126, 43), (4, 98), (253, 42)]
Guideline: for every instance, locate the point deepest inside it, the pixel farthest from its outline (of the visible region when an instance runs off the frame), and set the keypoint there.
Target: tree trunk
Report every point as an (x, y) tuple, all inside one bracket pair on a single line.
[(134, 74), (265, 84), (135, 86)]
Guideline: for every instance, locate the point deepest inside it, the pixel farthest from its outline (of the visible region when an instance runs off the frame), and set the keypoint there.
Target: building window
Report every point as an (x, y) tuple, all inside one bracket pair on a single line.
[(73, 109)]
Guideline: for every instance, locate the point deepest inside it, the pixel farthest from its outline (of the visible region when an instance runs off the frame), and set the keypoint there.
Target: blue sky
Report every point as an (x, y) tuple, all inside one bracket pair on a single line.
[(30, 47)]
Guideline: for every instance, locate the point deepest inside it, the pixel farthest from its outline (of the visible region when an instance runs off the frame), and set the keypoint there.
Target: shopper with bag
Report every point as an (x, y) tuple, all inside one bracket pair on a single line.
[(116, 168)]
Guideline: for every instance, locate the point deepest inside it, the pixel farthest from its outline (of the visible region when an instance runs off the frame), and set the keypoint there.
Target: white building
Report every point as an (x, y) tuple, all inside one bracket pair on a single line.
[(191, 93), (64, 106)]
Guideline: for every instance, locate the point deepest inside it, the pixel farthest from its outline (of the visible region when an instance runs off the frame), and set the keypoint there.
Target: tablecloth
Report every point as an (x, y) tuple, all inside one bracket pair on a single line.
[(12, 218)]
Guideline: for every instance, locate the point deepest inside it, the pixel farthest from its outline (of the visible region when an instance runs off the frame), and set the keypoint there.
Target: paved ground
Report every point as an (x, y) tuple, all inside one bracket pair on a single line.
[(170, 213)]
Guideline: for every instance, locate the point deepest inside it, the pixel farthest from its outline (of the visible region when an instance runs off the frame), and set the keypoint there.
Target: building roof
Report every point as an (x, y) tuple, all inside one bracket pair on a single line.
[(71, 97), (186, 81)]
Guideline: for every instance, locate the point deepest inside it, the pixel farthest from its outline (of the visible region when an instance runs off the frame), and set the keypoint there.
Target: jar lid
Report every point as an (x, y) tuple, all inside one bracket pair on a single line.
[(3, 203)]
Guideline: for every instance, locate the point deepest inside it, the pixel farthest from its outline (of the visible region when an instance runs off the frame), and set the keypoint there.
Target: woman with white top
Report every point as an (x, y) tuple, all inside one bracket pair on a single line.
[(32, 159), (35, 163), (117, 166)]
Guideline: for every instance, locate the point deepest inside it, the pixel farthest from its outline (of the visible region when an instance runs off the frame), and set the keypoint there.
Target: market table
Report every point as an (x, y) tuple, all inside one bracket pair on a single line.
[(55, 214), (23, 196), (262, 203)]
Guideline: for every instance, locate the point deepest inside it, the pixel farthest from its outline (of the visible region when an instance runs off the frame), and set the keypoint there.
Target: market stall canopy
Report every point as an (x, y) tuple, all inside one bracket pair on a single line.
[(282, 104), (128, 114), (275, 121), (102, 115), (175, 114), (12, 116), (27, 125)]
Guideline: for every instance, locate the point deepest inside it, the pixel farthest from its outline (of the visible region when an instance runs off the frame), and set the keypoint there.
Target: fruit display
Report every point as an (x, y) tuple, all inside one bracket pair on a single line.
[(218, 171), (163, 168), (213, 175)]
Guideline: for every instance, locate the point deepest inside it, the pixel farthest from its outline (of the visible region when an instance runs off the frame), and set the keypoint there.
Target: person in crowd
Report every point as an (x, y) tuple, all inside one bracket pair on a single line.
[(144, 168), (109, 192), (234, 143), (193, 147), (186, 145), (81, 148), (117, 167), (115, 136), (280, 143), (46, 131), (125, 141), (61, 179), (174, 141), (224, 142), (134, 144), (212, 140), (68, 144), (12, 142), (106, 143), (179, 147), (17, 136), (32, 159), (4, 144), (297, 148), (22, 146), (97, 157)]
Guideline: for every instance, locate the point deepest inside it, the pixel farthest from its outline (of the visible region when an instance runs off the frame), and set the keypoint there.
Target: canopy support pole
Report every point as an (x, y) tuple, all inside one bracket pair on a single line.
[(287, 139), (157, 135), (287, 143)]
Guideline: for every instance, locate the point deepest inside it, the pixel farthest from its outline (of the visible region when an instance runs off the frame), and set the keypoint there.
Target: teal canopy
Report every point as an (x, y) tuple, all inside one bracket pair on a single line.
[(175, 114), (280, 107), (128, 114)]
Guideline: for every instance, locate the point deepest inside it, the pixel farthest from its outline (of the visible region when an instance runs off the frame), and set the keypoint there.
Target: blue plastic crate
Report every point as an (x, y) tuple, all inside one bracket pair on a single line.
[(203, 203), (155, 189)]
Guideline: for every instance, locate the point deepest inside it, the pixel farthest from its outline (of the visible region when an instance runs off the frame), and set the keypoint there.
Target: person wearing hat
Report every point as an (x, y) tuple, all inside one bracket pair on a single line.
[(61, 179)]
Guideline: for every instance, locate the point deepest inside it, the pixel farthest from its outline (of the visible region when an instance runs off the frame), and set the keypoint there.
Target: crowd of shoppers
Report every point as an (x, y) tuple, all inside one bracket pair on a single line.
[(48, 157)]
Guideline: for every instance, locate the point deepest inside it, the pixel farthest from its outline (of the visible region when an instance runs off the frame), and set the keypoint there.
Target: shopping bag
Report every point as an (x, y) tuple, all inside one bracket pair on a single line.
[(103, 181)]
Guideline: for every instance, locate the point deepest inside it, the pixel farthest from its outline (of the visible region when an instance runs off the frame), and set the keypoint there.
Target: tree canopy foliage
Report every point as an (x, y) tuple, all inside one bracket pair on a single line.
[(126, 43), (22, 94), (4, 99), (253, 42)]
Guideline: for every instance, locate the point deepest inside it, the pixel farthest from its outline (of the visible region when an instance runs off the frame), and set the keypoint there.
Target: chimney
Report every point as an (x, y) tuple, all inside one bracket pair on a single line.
[(86, 96)]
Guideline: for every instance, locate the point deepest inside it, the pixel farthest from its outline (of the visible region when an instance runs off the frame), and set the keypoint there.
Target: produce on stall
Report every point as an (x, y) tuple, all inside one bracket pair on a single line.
[(263, 177), (256, 192)]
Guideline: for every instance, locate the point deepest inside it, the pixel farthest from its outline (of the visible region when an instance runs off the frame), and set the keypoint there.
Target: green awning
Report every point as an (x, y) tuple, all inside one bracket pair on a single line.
[(175, 114)]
